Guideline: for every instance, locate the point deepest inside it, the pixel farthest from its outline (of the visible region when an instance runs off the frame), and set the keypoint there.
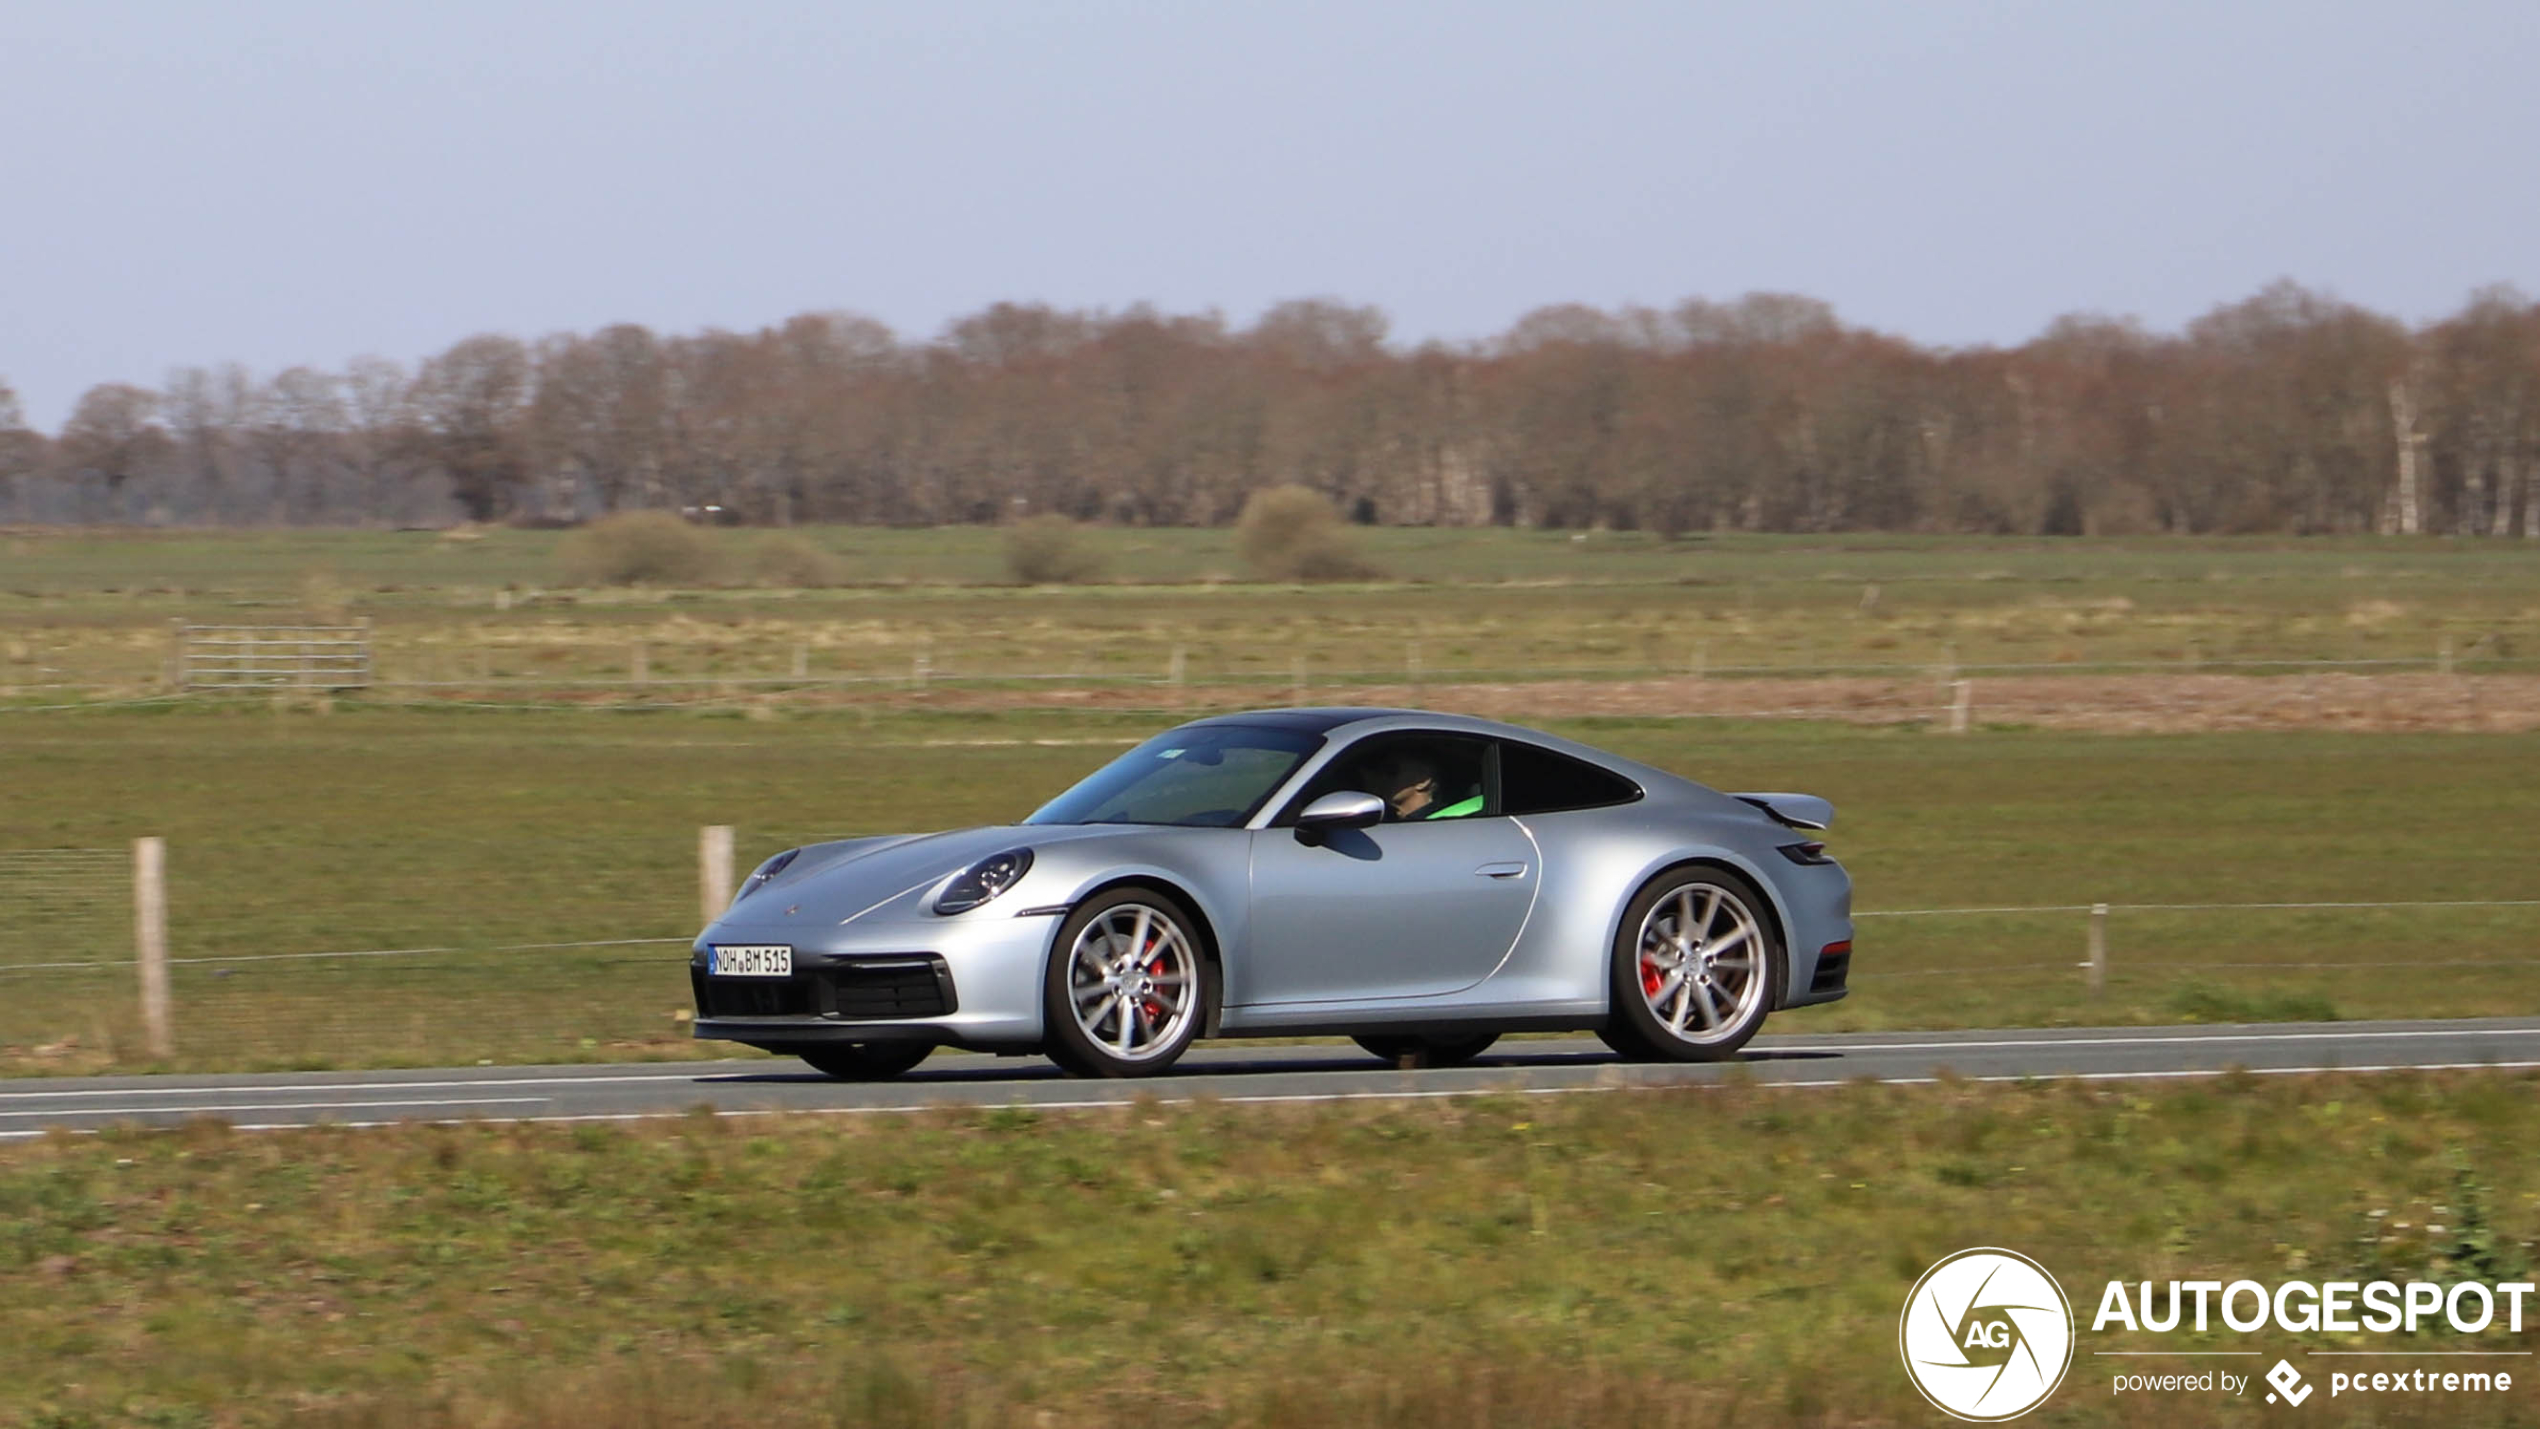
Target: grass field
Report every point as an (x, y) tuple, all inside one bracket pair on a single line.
[(1735, 1256), (296, 832), (93, 610)]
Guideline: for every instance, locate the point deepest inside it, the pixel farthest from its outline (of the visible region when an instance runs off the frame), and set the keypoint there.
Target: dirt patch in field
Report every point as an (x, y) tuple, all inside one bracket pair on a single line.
[(2115, 704), (2134, 704)]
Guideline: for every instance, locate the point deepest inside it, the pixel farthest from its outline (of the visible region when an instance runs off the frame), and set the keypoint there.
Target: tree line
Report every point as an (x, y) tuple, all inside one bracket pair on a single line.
[(2290, 411)]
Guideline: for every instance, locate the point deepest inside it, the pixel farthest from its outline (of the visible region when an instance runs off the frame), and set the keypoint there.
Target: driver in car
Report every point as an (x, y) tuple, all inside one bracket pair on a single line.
[(1408, 783)]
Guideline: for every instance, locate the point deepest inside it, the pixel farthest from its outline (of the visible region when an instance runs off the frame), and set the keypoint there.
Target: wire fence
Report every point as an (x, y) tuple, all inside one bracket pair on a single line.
[(230, 660), (66, 898), (71, 972)]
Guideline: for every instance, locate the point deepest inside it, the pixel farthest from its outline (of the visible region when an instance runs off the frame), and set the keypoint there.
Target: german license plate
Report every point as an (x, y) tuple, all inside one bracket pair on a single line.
[(752, 961)]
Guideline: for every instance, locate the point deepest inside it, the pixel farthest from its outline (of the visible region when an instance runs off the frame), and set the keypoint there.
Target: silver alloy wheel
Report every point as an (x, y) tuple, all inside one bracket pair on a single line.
[(1701, 962), (1133, 981)]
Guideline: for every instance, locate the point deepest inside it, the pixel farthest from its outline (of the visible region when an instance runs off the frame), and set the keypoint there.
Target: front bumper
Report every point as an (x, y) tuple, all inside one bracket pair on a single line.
[(969, 980)]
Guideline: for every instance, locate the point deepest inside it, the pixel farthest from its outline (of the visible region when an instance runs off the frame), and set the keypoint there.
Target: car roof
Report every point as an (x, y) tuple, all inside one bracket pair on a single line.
[(1354, 721), (1316, 720), (1333, 719)]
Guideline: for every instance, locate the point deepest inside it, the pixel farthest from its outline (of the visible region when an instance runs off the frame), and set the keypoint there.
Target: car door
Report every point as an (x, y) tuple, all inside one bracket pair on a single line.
[(1413, 907)]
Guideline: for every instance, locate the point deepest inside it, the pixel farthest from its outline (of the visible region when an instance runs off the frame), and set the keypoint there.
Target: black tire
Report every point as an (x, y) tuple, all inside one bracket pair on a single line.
[(1173, 956), (1653, 1019), (868, 1061), (1410, 1052)]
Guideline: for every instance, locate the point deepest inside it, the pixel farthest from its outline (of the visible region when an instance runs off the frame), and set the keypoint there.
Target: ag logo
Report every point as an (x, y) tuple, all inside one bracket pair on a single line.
[(1986, 1335)]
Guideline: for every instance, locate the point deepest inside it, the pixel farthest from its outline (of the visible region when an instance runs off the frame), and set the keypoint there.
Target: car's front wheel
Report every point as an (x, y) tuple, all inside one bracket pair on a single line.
[(1127, 987), (1409, 1052), (868, 1061), (1696, 967)]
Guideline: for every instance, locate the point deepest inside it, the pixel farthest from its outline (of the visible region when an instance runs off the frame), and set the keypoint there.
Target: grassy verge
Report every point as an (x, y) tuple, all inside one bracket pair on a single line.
[(1732, 1256), (295, 832)]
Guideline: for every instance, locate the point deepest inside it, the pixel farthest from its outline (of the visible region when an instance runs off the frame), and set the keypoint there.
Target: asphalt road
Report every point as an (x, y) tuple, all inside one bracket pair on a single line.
[(1269, 1073)]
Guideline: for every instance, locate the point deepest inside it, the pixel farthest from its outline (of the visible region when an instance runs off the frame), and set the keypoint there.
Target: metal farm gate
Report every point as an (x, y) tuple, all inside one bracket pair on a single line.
[(260, 657)]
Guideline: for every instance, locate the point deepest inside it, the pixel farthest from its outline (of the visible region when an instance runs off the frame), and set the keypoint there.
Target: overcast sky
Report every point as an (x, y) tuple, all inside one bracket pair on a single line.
[(193, 182)]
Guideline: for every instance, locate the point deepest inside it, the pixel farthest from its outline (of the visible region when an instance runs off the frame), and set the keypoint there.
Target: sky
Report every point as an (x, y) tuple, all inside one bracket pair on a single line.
[(277, 183)]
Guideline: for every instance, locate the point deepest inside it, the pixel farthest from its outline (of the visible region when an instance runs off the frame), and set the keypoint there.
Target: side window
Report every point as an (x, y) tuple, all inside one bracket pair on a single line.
[(1533, 780), (1421, 777)]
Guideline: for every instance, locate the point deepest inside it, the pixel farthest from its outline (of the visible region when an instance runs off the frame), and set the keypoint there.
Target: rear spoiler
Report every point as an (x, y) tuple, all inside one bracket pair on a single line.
[(1799, 811)]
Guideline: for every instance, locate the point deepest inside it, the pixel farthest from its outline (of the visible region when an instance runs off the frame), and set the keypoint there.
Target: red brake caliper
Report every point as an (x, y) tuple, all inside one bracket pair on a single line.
[(1650, 978), (1154, 1008)]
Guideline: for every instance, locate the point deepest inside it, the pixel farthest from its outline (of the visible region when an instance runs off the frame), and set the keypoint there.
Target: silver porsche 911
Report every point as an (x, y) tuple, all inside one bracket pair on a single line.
[(1419, 882)]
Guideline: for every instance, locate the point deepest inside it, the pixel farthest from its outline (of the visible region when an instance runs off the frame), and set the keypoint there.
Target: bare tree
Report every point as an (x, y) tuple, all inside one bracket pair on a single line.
[(113, 435), (470, 403), (22, 453), (298, 434)]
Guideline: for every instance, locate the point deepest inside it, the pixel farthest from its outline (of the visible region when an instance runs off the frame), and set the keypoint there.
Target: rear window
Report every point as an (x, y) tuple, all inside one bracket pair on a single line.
[(1534, 780)]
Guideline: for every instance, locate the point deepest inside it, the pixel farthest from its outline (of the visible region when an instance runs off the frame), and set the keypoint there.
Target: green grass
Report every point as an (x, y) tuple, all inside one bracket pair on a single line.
[(291, 831), (1735, 1256), (88, 609)]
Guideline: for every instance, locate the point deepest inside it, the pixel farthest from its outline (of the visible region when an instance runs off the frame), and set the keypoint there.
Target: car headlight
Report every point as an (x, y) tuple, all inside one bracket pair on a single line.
[(760, 876), (984, 880)]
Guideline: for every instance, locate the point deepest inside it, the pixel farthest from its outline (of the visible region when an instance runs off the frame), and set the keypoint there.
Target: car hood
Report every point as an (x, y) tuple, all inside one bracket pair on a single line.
[(884, 878)]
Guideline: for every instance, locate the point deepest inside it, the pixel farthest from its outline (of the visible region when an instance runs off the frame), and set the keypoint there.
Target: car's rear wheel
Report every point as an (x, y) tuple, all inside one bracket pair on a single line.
[(868, 1061), (1696, 967), (1408, 1052), (1128, 987)]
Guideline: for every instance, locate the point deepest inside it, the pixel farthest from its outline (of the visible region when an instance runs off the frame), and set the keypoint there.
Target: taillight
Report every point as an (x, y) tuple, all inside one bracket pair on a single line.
[(1811, 854)]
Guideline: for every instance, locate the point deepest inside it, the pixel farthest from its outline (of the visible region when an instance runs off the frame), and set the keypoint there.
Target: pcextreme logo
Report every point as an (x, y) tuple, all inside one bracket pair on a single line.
[(1986, 1335)]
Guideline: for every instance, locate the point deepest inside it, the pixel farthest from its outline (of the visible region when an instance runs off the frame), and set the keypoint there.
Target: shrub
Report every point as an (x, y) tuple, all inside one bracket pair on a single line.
[(793, 562), (1049, 550), (1290, 533), (640, 548)]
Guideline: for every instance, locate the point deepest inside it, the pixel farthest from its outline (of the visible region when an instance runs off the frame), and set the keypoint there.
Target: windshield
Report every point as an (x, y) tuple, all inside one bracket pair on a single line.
[(1209, 776)]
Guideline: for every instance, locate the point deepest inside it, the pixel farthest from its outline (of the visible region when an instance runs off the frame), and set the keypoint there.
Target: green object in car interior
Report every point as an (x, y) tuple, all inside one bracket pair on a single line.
[(1458, 810)]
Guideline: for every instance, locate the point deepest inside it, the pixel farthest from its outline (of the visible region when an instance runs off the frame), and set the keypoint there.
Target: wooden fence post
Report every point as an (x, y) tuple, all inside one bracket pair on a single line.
[(640, 664), (802, 660), (150, 943), (1176, 670), (1298, 671), (1962, 698), (714, 870), (2098, 949)]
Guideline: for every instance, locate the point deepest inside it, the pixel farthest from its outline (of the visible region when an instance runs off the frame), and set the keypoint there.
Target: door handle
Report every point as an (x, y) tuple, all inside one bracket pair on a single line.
[(1501, 870)]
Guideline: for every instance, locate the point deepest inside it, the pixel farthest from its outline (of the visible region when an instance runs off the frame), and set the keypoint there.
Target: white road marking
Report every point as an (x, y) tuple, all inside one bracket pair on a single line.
[(2189, 1040), (1128, 1099), (193, 1108), (286, 1088)]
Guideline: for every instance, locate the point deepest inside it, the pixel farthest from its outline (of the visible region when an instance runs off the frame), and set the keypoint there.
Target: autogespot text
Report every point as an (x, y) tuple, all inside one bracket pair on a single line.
[(2373, 1307)]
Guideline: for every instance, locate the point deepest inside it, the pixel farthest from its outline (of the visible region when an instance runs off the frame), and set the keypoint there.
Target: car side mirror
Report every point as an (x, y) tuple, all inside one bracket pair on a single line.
[(1346, 809)]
